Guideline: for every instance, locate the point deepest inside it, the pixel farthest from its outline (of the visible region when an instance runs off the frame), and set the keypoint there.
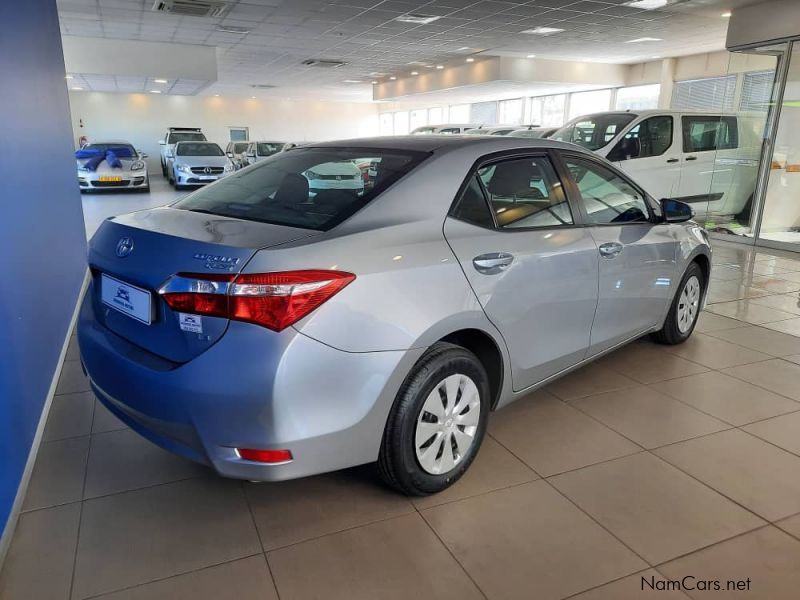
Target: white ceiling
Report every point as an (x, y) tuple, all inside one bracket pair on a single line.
[(365, 34)]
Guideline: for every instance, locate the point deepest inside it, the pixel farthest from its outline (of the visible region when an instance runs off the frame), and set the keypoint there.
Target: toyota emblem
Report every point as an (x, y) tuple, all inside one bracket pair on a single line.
[(124, 247)]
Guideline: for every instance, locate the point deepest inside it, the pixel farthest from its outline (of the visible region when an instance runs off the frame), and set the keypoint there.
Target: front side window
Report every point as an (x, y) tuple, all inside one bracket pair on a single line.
[(311, 188), (651, 137), (240, 147), (198, 149), (707, 133), (595, 131), (607, 197), (525, 192), (268, 148)]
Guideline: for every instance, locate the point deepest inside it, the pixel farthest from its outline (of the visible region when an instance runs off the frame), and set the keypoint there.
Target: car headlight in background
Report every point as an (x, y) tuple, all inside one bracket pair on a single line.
[(184, 168), (137, 165), (229, 167)]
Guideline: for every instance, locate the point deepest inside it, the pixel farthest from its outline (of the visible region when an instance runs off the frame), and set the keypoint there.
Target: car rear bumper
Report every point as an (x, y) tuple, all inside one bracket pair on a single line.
[(253, 389)]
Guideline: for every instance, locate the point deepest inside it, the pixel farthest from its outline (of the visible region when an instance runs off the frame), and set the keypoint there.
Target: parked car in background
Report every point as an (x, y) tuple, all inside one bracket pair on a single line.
[(175, 135), (451, 129), (257, 151), (197, 163), (112, 165), (534, 132), (336, 175), (274, 333), (709, 160), (236, 152), (497, 130)]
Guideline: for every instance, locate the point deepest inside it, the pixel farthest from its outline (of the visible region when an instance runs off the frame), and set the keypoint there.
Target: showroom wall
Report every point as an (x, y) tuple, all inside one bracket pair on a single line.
[(43, 244), (142, 119)]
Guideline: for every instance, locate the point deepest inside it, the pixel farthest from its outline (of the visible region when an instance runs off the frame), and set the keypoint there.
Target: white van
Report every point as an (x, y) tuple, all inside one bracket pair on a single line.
[(452, 129), (708, 160)]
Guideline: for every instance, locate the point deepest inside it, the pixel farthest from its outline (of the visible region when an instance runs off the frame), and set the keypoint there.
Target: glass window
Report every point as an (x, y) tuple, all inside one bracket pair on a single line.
[(401, 123), (757, 91), (239, 134), (651, 137), (525, 192), (707, 133), (712, 93), (472, 206), (417, 118), (638, 97), (268, 148), (548, 111), (483, 113), (608, 198), (510, 111), (594, 132), (435, 115), (311, 188), (386, 123), (459, 113), (585, 103), (198, 149), (185, 136)]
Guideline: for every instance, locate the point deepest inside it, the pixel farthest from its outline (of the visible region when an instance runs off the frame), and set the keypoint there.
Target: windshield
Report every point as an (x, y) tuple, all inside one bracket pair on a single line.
[(198, 149), (423, 130), (595, 131), (121, 150), (268, 148), (185, 136), (304, 188), (240, 147)]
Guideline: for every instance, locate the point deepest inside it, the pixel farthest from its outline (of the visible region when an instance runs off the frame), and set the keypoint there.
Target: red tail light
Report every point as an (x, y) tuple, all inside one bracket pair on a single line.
[(272, 300), (265, 456)]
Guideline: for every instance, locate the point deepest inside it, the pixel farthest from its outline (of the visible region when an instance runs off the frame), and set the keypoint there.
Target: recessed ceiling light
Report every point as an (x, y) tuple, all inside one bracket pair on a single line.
[(414, 73), (216, 95), (656, 57), (68, 77), (374, 83), (531, 56), (542, 31), (155, 91), (647, 4), (470, 59), (644, 39), (393, 78), (76, 88), (160, 80), (252, 97), (352, 81), (232, 29), (440, 67), (417, 19), (726, 15), (463, 48)]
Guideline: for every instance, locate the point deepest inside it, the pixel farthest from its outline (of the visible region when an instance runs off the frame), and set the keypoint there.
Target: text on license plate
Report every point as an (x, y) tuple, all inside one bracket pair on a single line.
[(110, 178), (126, 298)]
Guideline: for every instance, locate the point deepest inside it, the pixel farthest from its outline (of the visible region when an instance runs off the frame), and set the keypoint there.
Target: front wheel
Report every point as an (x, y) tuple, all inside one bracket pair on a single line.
[(685, 308), (437, 423)]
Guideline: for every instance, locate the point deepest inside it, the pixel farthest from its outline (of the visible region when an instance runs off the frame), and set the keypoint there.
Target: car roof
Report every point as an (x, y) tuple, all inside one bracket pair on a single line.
[(110, 142), (440, 143)]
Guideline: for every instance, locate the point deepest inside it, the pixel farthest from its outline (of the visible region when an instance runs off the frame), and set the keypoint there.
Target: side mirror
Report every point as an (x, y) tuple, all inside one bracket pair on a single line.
[(251, 155), (675, 211), (170, 154), (162, 142), (143, 154), (229, 154)]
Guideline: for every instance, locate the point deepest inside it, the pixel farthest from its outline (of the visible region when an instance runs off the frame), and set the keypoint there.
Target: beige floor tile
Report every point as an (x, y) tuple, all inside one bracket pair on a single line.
[(786, 302), (648, 417), (591, 379), (59, 473), (795, 358), (104, 420), (72, 380), (727, 398), (39, 562), (790, 326), (779, 376), (768, 557), (288, 512), (731, 291), (396, 559), (530, 542), (647, 585), (245, 579), (553, 437), (791, 525), (747, 311), (788, 264), (747, 470), (647, 362), (137, 537), (711, 322), (767, 268), (715, 353), (783, 431), (792, 276), (775, 284), (70, 416), (761, 339), (654, 508), (494, 468)]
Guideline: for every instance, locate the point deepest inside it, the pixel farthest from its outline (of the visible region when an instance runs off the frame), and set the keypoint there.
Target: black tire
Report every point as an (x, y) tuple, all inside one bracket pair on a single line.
[(670, 333), (163, 168), (397, 462)]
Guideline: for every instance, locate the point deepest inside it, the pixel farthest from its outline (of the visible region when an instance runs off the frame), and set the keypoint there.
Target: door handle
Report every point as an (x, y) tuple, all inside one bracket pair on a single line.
[(492, 263), (672, 160), (610, 249), (691, 158)]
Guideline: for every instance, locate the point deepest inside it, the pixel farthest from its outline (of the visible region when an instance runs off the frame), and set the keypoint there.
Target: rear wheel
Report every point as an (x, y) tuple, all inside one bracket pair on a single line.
[(437, 423), (685, 308)]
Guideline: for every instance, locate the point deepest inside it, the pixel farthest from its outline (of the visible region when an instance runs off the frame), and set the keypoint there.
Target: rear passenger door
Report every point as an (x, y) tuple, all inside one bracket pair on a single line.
[(636, 254), (533, 269)]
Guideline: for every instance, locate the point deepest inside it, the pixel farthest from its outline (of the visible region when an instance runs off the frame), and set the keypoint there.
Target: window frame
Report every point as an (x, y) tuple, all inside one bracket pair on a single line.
[(573, 191), (637, 124), (728, 119), (490, 159)]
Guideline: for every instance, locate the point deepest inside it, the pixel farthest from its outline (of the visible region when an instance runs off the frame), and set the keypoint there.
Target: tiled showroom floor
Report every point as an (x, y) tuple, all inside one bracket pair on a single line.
[(655, 461)]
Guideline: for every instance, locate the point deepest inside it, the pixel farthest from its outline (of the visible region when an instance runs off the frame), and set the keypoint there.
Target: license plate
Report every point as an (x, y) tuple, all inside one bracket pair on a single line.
[(126, 298), (110, 178)]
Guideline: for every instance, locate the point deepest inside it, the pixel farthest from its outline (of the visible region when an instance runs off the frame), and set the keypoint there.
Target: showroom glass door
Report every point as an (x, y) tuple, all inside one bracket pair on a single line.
[(780, 217), (746, 101)]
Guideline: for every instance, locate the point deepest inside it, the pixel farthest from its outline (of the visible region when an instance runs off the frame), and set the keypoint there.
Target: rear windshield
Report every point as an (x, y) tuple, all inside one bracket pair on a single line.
[(593, 132), (185, 136), (269, 148), (198, 149), (312, 188)]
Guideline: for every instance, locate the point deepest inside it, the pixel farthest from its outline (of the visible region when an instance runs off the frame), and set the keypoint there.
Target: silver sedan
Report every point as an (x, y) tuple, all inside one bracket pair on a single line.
[(273, 333), (197, 163), (112, 165)]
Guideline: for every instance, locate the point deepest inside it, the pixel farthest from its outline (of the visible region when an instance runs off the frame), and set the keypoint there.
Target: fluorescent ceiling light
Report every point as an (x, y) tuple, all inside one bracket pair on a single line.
[(440, 67), (726, 15), (463, 48), (76, 88), (647, 4), (417, 19), (393, 78), (374, 83), (160, 80), (470, 59), (644, 39), (352, 81), (155, 91), (68, 77), (414, 73), (531, 56), (542, 31), (232, 29)]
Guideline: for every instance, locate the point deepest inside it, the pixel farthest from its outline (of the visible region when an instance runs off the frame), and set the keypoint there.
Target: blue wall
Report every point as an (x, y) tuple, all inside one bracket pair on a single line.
[(42, 240)]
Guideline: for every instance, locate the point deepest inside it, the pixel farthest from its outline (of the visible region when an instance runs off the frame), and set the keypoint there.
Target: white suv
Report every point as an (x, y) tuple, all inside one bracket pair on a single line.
[(709, 160), (175, 135)]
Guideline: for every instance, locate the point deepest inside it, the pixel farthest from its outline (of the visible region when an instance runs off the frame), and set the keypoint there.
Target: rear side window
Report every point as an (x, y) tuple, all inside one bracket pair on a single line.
[(651, 137), (472, 206), (311, 188), (707, 133)]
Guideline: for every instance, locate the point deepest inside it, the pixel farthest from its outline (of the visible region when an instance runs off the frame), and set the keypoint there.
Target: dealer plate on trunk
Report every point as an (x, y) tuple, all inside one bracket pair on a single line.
[(126, 298)]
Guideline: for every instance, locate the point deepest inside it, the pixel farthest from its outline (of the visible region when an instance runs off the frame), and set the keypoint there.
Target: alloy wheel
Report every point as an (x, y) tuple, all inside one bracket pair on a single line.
[(688, 304)]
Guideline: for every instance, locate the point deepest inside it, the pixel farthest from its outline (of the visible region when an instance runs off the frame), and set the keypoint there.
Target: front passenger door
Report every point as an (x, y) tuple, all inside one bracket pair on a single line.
[(637, 255)]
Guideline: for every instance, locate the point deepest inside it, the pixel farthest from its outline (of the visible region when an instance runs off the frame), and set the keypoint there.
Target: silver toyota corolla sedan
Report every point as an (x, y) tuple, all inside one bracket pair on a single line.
[(273, 333), (112, 165), (197, 163)]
